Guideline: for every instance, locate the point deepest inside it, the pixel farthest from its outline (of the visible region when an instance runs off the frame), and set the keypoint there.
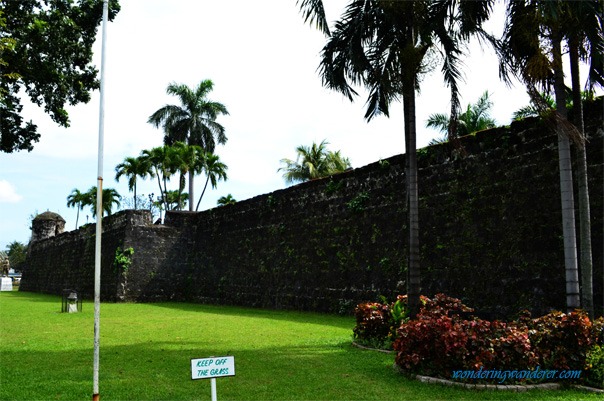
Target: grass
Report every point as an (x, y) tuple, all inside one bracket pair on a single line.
[(146, 351)]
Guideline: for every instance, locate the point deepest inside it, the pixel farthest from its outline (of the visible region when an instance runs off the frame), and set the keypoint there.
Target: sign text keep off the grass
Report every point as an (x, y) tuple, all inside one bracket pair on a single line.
[(208, 368)]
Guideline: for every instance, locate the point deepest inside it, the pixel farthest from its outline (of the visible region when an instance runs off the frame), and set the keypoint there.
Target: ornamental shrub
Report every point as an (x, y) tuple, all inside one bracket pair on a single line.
[(373, 322), (562, 340), (446, 336), (438, 345), (377, 323)]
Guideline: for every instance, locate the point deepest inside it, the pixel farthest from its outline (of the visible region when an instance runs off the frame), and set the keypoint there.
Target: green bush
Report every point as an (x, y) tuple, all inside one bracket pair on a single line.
[(594, 367)]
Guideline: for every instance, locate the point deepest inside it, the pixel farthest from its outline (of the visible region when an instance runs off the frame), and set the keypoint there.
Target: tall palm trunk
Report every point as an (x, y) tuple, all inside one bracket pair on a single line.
[(161, 191), (566, 185), (585, 259), (413, 271), (203, 192), (135, 194), (191, 196), (414, 276)]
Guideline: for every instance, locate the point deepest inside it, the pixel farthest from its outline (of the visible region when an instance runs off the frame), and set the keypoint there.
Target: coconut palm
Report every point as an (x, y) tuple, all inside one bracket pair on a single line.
[(475, 118), (132, 168), (77, 199), (382, 45), (313, 162), (215, 171), (193, 121)]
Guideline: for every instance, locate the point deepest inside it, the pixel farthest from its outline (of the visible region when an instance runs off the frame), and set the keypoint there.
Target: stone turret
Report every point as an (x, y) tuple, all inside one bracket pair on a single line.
[(46, 225)]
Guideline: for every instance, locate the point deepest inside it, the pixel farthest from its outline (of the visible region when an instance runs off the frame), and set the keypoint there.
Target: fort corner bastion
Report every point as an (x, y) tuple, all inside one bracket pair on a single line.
[(490, 225)]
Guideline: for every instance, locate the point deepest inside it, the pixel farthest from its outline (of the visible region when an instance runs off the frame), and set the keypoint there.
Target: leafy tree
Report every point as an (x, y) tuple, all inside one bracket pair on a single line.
[(475, 118), (47, 51), (78, 200), (16, 252), (215, 171), (313, 162), (382, 45), (193, 121), (132, 168), (226, 200)]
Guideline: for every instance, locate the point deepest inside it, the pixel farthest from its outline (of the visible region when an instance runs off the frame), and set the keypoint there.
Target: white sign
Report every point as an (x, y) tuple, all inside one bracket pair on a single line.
[(208, 368), (6, 284)]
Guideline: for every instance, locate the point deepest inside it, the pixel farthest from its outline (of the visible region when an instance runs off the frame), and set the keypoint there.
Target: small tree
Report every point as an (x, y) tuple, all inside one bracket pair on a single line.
[(476, 118), (226, 200), (313, 162)]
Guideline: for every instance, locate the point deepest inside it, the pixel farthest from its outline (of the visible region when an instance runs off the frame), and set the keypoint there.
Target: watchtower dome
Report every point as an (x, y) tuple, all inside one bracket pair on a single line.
[(46, 225)]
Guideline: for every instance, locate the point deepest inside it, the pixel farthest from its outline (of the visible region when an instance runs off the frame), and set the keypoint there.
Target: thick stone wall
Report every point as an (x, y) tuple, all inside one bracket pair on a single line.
[(66, 261), (490, 226)]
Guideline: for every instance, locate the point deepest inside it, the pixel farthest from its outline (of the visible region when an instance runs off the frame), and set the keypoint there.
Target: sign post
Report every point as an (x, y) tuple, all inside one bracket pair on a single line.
[(211, 368)]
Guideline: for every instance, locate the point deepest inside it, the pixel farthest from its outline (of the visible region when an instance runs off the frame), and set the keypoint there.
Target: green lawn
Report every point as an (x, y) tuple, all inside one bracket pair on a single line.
[(146, 351)]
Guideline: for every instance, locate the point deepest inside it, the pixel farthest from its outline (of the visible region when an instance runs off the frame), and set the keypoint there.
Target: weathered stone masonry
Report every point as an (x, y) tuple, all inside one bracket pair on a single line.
[(490, 228)]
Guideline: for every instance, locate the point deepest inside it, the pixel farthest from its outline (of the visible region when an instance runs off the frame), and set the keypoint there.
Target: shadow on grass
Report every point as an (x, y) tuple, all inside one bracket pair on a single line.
[(32, 296), (346, 322), (161, 371)]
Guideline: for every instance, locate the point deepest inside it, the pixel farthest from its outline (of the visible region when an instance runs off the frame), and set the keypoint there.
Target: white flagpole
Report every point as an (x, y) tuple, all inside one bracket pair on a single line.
[(99, 216)]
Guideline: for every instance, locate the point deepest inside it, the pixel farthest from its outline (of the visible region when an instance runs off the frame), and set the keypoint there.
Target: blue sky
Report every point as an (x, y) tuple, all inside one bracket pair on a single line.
[(263, 60)]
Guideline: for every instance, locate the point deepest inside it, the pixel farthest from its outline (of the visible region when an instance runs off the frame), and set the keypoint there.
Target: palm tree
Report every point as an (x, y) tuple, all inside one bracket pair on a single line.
[(175, 199), (583, 26), (132, 168), (185, 159), (522, 53), (159, 158), (77, 199), (109, 197), (313, 162), (475, 118), (215, 171), (382, 45), (193, 121), (226, 200), (533, 110)]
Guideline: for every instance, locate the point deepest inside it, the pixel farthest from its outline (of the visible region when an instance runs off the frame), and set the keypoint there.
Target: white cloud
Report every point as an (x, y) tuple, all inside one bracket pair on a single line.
[(8, 194)]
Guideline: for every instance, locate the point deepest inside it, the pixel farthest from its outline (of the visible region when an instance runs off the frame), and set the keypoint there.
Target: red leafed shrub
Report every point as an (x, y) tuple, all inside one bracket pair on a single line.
[(443, 305), (373, 323), (437, 345), (430, 345), (446, 337), (377, 323), (562, 340)]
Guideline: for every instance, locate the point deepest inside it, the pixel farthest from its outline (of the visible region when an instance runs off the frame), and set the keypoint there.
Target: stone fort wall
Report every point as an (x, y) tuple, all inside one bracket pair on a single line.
[(490, 225)]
